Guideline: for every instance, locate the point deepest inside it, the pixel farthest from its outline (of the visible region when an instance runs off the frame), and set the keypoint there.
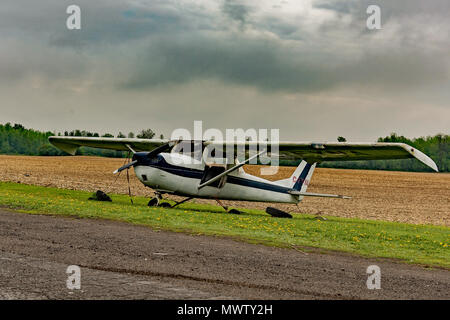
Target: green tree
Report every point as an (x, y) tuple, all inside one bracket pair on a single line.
[(16, 139), (146, 134), (107, 135)]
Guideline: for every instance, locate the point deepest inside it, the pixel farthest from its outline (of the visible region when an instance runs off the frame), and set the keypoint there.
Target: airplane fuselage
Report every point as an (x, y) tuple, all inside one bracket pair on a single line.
[(181, 175)]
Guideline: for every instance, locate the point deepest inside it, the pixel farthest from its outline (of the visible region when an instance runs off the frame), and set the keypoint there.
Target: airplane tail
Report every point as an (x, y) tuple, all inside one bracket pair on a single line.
[(299, 181)]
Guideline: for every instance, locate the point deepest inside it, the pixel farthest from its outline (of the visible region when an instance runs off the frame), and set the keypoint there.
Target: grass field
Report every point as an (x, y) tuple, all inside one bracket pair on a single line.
[(419, 244)]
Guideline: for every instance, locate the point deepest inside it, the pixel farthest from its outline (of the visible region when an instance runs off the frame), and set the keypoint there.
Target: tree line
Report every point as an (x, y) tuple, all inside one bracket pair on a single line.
[(16, 139), (436, 147)]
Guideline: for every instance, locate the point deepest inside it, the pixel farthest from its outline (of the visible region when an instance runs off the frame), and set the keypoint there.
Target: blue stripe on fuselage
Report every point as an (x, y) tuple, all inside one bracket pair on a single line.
[(198, 174)]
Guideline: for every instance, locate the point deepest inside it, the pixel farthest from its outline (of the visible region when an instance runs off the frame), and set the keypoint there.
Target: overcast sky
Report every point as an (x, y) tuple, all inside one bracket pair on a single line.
[(310, 68)]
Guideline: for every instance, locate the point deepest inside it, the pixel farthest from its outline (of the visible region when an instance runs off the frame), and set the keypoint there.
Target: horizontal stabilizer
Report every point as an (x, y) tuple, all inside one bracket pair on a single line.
[(311, 194)]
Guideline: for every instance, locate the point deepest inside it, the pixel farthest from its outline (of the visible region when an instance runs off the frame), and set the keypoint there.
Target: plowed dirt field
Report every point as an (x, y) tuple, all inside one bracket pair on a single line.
[(419, 198)]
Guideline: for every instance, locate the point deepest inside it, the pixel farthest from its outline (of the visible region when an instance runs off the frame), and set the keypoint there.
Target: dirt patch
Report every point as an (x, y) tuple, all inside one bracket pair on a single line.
[(420, 198)]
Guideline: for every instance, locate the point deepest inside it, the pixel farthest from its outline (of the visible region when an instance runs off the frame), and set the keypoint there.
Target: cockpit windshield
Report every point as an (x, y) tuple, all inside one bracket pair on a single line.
[(192, 149)]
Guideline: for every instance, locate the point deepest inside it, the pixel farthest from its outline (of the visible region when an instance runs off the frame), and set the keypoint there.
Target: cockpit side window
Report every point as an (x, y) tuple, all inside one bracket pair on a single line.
[(189, 148)]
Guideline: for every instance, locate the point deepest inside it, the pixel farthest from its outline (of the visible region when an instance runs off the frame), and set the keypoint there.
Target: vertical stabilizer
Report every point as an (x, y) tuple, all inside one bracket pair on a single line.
[(301, 177)]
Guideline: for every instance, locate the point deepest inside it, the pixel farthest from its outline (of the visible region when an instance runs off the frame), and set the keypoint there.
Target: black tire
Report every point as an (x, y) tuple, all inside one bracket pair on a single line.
[(165, 205), (274, 212), (153, 202)]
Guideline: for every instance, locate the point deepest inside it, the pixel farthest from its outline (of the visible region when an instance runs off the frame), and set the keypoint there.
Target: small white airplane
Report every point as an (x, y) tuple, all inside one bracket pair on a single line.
[(160, 165)]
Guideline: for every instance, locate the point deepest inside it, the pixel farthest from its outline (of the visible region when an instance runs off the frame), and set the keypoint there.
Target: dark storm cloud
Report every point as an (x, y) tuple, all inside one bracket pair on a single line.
[(36, 43), (111, 24), (235, 10), (310, 68), (150, 44), (300, 58), (389, 8), (341, 6), (243, 62), (269, 67), (409, 14), (282, 29)]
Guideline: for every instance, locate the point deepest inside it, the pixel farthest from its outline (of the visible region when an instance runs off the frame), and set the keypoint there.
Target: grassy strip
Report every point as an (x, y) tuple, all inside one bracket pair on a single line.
[(422, 244)]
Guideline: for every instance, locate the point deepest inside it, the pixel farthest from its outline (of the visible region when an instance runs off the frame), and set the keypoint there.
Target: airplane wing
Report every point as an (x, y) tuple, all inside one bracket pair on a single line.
[(333, 151), (290, 150), (71, 144)]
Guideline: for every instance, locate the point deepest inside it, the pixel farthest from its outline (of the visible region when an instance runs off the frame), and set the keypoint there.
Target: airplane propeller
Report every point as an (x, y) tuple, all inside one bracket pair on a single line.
[(128, 165), (136, 158), (149, 155)]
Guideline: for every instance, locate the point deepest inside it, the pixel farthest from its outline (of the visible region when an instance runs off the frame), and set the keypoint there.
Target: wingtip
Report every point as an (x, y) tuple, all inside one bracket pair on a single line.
[(422, 157), (432, 165), (435, 168)]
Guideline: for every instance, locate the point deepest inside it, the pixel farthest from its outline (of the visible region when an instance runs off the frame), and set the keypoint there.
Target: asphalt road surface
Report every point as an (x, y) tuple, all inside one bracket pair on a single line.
[(122, 261)]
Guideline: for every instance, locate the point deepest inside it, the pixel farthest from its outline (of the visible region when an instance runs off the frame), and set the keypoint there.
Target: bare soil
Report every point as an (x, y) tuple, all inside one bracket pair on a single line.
[(419, 198)]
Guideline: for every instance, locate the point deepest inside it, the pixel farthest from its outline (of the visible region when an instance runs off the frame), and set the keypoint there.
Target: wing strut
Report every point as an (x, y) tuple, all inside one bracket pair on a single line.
[(226, 172)]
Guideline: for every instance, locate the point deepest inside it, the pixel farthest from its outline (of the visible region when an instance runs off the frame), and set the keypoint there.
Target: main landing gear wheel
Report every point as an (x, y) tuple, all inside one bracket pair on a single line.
[(154, 202), (165, 205)]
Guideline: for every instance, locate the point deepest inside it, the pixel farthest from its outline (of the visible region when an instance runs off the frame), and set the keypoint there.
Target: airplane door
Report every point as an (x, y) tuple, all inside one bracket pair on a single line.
[(212, 171)]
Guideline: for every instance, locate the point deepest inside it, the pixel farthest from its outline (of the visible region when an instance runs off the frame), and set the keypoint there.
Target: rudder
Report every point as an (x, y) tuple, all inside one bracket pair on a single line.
[(301, 177)]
